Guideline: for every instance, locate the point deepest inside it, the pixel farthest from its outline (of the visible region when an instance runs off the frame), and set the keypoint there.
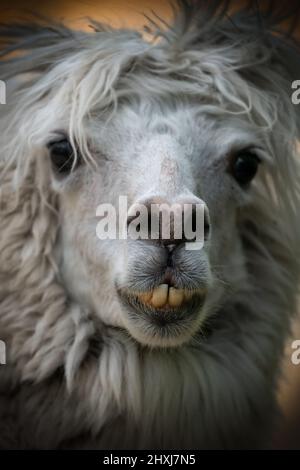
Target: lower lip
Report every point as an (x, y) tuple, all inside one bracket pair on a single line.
[(162, 327)]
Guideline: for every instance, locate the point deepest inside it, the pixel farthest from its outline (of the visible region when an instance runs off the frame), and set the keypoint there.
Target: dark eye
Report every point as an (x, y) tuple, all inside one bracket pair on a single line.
[(62, 156), (244, 167)]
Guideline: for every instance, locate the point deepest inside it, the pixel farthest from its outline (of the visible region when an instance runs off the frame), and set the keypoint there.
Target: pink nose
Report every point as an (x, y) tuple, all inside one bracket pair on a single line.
[(170, 223)]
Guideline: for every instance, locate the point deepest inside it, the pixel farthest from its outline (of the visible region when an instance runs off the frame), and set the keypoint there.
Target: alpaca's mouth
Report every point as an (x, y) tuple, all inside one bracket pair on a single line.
[(166, 297), (164, 316)]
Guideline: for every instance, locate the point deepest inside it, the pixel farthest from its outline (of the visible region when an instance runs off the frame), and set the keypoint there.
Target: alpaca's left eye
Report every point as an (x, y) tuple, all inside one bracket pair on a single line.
[(244, 167)]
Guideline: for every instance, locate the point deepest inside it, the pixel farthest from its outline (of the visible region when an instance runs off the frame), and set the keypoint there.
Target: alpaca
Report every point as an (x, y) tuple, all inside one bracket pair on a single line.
[(200, 112)]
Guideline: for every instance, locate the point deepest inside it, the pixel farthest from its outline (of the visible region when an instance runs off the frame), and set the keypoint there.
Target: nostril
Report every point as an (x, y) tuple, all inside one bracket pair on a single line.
[(170, 224), (206, 224), (194, 218)]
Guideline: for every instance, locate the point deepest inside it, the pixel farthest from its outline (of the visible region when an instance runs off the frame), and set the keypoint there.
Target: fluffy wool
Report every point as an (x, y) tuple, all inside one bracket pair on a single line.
[(74, 377)]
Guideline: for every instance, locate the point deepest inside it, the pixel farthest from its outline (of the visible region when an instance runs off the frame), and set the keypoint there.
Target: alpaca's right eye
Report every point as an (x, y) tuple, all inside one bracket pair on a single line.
[(244, 167), (62, 156)]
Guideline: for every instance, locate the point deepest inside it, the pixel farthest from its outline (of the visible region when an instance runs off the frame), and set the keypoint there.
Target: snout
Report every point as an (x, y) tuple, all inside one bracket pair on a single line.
[(169, 222), (167, 280)]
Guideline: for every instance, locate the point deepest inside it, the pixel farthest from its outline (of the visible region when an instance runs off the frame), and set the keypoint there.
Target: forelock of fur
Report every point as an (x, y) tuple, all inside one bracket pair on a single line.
[(206, 52)]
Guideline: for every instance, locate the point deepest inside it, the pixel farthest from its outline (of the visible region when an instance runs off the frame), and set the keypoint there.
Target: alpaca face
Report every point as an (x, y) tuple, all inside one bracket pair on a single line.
[(159, 291)]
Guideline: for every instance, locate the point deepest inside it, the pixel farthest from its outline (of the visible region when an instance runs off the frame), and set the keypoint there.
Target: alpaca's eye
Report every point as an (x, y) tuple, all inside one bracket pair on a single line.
[(62, 156), (244, 167)]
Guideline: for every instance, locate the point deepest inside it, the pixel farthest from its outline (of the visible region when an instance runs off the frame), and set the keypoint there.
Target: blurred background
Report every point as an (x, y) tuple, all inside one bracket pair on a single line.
[(130, 13)]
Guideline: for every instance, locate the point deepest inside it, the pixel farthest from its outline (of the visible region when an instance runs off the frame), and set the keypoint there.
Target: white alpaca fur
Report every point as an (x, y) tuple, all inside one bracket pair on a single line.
[(78, 374)]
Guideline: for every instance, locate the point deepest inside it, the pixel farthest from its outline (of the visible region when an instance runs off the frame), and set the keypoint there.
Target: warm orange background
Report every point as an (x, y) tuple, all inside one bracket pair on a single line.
[(129, 13), (119, 12)]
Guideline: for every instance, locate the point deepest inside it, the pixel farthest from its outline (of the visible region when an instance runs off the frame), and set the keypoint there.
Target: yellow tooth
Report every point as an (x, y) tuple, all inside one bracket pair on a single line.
[(145, 296), (160, 296), (176, 297)]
